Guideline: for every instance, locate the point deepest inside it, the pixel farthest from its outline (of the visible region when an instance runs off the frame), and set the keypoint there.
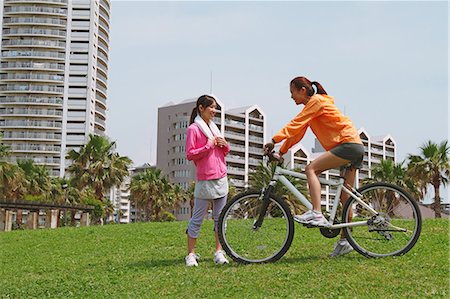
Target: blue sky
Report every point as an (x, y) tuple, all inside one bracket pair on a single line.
[(386, 64)]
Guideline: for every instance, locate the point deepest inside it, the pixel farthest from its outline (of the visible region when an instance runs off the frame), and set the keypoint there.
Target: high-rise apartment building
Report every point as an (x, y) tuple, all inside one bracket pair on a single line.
[(53, 77), (375, 149), (244, 129)]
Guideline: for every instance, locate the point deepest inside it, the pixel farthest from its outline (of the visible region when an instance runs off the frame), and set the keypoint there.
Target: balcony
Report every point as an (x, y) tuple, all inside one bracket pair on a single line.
[(34, 43), (102, 89), (31, 100), (103, 46), (50, 124), (35, 21), (103, 25), (35, 10), (102, 56), (34, 54), (100, 121), (99, 99), (34, 32), (27, 135), (257, 139), (29, 88), (32, 77), (102, 35), (32, 66), (56, 2), (30, 112), (100, 111), (35, 148)]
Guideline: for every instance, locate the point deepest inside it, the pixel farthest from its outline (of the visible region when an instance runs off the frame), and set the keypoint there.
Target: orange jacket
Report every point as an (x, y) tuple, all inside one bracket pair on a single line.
[(329, 125)]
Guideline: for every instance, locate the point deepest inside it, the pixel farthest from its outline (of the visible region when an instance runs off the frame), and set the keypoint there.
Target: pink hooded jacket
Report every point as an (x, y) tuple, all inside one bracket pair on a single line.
[(208, 158)]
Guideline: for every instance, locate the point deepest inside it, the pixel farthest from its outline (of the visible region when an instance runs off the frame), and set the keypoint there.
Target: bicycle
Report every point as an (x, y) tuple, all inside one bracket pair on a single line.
[(257, 227)]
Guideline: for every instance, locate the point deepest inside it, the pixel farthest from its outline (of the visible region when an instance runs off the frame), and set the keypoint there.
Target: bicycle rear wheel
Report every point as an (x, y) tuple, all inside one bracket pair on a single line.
[(245, 244), (393, 231)]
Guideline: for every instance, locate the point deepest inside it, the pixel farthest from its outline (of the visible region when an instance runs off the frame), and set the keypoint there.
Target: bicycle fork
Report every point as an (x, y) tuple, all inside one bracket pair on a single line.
[(265, 204)]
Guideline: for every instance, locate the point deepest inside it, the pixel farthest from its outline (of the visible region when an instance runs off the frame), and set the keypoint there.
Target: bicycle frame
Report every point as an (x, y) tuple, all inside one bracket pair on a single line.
[(280, 173)]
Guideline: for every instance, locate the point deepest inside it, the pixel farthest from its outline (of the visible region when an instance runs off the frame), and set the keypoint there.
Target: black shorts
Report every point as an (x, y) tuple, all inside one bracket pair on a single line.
[(354, 152)]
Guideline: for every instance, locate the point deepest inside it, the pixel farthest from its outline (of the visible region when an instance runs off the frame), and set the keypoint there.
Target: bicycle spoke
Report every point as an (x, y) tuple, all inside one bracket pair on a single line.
[(393, 231)]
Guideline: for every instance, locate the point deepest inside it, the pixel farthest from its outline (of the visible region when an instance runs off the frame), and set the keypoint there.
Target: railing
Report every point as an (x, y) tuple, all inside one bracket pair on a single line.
[(35, 20), (47, 54), (29, 87), (37, 100), (100, 121), (33, 42), (98, 86), (30, 123), (31, 135), (31, 76), (34, 31), (32, 65), (101, 34), (35, 147), (103, 24), (34, 9), (256, 128), (30, 111), (49, 1), (103, 56)]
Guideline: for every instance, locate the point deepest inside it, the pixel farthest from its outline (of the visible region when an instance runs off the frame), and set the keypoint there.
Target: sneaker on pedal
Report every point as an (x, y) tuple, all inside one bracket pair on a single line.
[(305, 217), (219, 258), (341, 247), (191, 260), (312, 218)]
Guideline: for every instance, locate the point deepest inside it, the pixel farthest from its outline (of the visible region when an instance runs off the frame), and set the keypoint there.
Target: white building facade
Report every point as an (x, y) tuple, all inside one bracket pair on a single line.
[(53, 77), (244, 129)]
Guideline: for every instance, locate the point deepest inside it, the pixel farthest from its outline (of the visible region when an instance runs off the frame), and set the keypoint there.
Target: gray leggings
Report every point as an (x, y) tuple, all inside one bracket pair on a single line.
[(199, 213)]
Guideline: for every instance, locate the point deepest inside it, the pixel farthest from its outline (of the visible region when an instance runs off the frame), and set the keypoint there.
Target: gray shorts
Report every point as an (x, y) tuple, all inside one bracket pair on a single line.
[(353, 152)]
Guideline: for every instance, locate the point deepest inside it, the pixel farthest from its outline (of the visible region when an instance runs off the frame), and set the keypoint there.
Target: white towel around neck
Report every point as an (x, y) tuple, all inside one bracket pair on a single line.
[(209, 131)]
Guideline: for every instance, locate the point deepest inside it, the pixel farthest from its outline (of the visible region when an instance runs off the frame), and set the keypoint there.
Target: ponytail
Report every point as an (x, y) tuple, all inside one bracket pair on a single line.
[(319, 88), (300, 82), (193, 115)]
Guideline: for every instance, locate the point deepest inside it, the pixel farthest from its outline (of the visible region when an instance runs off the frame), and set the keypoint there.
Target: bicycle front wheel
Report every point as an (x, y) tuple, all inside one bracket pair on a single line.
[(246, 244), (393, 230)]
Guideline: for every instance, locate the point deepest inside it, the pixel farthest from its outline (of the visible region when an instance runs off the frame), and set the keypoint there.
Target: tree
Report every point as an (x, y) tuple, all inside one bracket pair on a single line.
[(12, 181), (431, 167), (98, 166), (37, 177), (261, 177), (395, 173)]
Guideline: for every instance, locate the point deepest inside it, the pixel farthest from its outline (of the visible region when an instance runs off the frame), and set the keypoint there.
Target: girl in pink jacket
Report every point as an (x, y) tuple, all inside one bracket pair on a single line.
[(207, 148)]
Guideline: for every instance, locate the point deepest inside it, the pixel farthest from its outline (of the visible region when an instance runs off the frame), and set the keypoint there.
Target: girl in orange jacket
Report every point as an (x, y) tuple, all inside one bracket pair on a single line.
[(335, 133)]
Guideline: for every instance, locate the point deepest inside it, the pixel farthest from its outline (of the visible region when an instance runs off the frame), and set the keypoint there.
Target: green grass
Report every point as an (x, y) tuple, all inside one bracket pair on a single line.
[(147, 261)]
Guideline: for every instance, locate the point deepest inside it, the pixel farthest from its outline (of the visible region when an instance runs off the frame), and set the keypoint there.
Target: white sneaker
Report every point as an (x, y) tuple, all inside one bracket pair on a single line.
[(305, 217), (219, 258), (341, 247), (191, 260), (312, 218)]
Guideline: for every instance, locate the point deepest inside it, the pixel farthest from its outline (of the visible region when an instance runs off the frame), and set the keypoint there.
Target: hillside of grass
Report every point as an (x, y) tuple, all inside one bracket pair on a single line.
[(146, 260)]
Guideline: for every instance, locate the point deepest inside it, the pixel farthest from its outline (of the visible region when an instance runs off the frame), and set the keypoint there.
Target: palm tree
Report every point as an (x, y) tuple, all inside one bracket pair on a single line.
[(38, 178), (12, 181), (98, 166), (261, 177), (143, 189), (431, 167), (395, 173)]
